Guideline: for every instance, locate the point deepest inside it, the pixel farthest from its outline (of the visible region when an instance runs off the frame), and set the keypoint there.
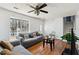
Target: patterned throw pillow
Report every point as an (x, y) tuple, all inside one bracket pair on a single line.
[(34, 34), (6, 44), (1, 49), (6, 52)]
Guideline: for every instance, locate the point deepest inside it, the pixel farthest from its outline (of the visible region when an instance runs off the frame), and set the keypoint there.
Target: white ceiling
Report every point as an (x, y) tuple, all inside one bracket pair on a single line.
[(54, 9)]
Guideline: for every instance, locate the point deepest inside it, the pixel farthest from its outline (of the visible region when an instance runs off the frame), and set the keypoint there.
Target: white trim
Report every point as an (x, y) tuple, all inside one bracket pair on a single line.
[(18, 18)]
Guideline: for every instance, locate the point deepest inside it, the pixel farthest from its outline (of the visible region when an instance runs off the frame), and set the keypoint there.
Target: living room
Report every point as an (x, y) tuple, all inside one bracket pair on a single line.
[(19, 20)]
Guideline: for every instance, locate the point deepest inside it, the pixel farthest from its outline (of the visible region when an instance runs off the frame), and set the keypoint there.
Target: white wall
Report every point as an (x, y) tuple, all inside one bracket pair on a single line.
[(77, 24), (57, 26), (54, 25), (4, 22)]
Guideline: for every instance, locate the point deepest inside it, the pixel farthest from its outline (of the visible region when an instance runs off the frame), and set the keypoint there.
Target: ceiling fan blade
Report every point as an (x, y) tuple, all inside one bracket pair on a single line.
[(30, 11), (32, 7), (43, 5), (44, 11)]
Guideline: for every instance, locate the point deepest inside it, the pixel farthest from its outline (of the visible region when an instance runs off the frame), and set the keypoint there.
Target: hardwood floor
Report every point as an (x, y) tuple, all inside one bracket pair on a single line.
[(39, 50)]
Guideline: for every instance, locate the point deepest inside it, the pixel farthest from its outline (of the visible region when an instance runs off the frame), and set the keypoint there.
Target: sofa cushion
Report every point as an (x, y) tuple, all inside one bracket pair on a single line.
[(6, 44), (31, 39), (26, 36), (21, 35), (21, 50), (15, 43)]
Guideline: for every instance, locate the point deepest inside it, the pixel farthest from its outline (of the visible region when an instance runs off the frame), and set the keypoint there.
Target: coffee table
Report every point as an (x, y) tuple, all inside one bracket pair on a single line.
[(49, 41)]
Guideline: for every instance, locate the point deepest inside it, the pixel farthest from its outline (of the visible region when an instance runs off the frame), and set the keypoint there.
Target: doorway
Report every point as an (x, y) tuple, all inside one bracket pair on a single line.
[(68, 23)]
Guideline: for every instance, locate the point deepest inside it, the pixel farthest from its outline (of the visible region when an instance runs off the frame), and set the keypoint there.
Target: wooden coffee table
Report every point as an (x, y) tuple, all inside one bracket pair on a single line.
[(49, 41)]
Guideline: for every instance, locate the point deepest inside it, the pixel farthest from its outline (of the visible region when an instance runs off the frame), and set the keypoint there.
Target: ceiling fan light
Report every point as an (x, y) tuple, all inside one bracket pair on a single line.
[(38, 8)]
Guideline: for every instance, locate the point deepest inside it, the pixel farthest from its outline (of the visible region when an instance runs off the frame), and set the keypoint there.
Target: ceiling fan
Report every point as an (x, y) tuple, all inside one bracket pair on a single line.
[(37, 9)]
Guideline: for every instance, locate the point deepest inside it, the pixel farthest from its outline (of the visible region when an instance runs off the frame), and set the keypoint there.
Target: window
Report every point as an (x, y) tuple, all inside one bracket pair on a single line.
[(17, 25)]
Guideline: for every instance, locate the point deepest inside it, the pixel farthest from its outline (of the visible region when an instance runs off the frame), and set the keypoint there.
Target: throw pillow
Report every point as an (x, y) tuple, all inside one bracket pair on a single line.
[(30, 36), (6, 52), (34, 34), (7, 45), (1, 49)]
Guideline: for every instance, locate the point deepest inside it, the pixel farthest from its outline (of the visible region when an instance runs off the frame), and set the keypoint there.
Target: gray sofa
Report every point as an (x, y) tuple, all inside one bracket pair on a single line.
[(22, 43), (21, 48), (32, 41), (28, 42)]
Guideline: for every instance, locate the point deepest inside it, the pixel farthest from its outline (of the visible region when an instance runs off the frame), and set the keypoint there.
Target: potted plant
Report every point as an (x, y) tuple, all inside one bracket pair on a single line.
[(68, 37)]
